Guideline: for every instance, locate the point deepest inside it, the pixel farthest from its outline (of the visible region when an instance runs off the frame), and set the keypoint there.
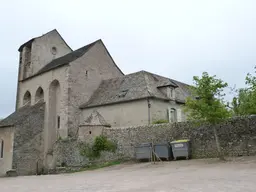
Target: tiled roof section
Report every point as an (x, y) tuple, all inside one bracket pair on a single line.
[(129, 87), (21, 114), (66, 59), (186, 89), (163, 81), (133, 86)]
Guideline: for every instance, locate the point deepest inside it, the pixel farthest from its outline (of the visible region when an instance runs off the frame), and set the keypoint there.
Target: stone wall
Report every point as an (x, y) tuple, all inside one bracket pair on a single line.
[(237, 137), (67, 153), (28, 150)]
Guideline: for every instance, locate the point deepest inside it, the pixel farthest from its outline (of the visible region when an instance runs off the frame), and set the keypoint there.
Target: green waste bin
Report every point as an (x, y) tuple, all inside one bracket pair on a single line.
[(181, 148)]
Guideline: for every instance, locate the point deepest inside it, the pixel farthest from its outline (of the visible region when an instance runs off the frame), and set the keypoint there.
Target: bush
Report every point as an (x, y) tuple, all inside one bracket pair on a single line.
[(160, 121), (101, 143)]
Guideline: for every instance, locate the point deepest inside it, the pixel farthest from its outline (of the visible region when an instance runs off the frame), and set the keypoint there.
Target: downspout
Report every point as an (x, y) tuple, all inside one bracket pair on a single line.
[(149, 106)]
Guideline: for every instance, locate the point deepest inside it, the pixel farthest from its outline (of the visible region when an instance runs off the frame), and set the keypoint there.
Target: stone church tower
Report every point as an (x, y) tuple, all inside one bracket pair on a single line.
[(36, 53), (51, 72)]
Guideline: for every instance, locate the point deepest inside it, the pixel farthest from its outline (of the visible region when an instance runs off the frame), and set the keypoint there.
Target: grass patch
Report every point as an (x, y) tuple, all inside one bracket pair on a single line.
[(160, 121)]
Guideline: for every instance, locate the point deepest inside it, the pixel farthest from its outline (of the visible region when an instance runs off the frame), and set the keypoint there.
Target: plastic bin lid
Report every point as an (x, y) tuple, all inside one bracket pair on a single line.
[(163, 143), (181, 141), (144, 144)]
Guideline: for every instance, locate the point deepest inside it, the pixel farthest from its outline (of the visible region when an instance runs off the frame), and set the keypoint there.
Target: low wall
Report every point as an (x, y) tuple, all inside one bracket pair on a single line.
[(67, 153), (237, 137)]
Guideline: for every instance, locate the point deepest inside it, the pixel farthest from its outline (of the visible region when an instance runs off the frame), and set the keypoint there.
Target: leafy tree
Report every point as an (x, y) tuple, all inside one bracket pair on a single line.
[(207, 104), (245, 102)]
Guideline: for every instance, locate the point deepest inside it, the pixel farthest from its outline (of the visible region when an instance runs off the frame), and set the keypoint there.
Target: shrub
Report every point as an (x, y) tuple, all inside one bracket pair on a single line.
[(101, 143), (160, 121)]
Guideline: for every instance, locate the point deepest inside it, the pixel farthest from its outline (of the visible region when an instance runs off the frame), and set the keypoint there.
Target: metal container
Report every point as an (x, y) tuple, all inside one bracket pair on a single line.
[(143, 151), (181, 148), (163, 150)]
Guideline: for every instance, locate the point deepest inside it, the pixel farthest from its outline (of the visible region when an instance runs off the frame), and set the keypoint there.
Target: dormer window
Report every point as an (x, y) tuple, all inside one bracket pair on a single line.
[(122, 93), (170, 92)]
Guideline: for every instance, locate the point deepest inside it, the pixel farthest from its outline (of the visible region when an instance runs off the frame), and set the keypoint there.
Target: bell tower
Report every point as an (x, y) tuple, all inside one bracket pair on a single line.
[(25, 65)]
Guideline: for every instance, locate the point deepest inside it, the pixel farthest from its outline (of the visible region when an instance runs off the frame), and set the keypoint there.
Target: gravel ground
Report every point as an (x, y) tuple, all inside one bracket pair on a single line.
[(194, 175)]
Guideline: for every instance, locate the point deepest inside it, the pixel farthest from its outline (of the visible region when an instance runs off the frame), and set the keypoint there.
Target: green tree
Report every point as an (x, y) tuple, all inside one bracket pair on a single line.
[(206, 103), (245, 102)]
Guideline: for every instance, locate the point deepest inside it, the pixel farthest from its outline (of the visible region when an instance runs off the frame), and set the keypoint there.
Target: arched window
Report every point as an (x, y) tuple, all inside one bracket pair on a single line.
[(39, 97), (1, 148), (172, 115), (27, 98)]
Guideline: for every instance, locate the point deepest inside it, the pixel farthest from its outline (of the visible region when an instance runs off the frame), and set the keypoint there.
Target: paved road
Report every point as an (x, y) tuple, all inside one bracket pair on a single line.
[(192, 175)]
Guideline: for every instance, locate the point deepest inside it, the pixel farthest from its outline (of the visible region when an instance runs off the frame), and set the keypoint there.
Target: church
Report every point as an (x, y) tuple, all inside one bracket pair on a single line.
[(60, 90)]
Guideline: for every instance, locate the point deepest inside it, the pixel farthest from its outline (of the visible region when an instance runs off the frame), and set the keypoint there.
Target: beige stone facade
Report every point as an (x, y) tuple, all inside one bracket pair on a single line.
[(6, 144), (123, 114), (86, 73)]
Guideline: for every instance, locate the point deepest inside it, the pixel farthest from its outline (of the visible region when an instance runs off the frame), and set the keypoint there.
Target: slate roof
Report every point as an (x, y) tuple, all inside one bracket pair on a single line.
[(21, 114), (130, 87)]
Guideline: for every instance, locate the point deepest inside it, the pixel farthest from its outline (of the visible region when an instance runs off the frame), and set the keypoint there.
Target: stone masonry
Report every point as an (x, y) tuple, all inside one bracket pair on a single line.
[(28, 149), (237, 137)]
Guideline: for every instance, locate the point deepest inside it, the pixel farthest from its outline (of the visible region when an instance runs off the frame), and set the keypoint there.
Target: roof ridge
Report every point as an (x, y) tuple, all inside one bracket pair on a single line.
[(147, 83)]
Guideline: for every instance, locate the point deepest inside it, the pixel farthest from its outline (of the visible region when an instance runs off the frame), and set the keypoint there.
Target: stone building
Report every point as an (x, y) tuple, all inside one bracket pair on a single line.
[(58, 89)]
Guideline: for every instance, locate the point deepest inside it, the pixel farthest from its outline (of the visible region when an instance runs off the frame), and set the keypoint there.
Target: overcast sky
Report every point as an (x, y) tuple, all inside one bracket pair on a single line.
[(173, 38)]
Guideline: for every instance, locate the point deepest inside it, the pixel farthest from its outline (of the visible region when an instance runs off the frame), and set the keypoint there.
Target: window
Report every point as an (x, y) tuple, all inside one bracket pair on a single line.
[(170, 92), (28, 54), (58, 122), (54, 50), (27, 98), (39, 97), (1, 148), (20, 57), (172, 115), (122, 93)]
